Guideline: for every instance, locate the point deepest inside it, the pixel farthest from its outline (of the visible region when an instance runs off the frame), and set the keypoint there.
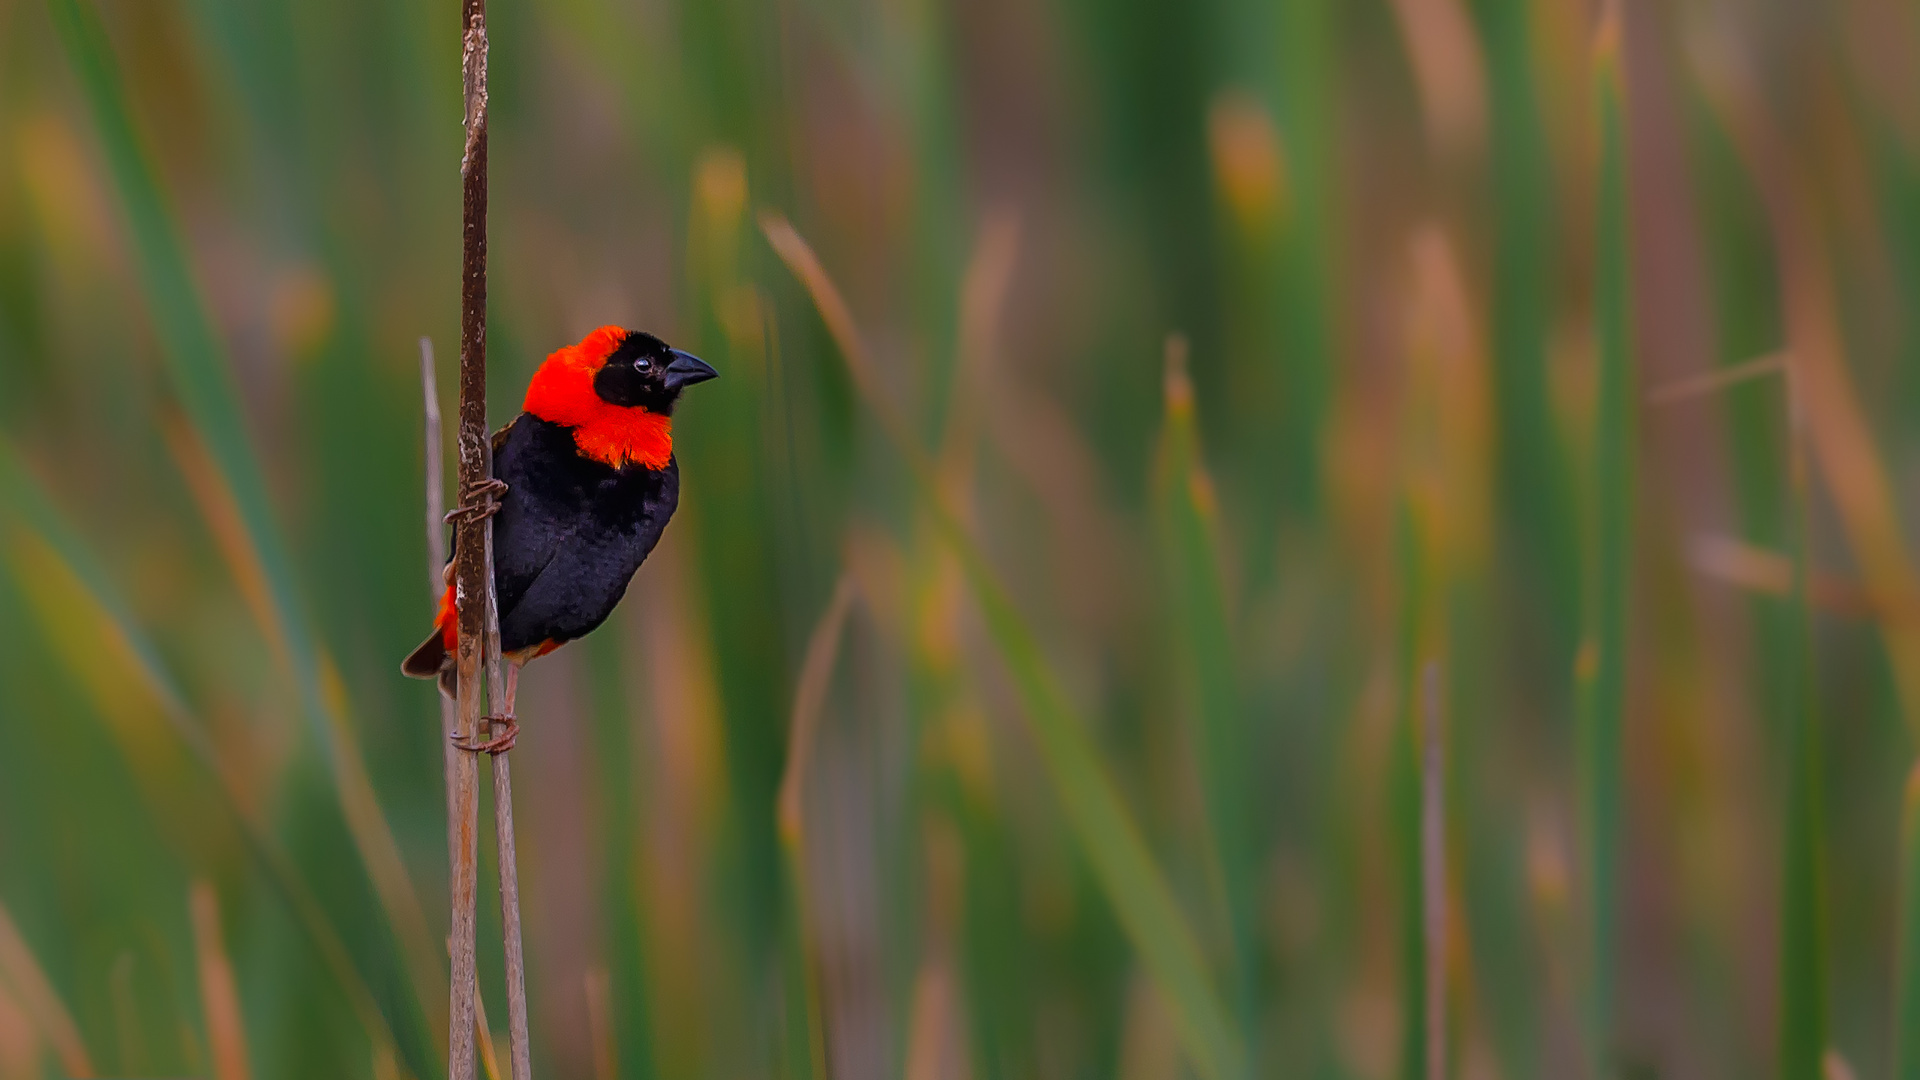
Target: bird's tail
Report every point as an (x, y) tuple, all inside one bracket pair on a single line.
[(434, 657)]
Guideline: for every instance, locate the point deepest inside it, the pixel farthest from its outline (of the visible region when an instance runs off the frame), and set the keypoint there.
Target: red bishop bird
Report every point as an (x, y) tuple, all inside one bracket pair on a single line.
[(590, 483)]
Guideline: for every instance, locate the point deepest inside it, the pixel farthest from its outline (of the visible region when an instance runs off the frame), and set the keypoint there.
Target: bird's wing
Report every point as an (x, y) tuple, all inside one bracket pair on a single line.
[(518, 555), (526, 538), (497, 441)]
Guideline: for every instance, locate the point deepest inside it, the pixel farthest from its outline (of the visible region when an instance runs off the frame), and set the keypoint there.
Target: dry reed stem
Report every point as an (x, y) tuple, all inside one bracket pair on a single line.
[(38, 999), (219, 993), (436, 583), (479, 626), (437, 572), (469, 567), (516, 965)]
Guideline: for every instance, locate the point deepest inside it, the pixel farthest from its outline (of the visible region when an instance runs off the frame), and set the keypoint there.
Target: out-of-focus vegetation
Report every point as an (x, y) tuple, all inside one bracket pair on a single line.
[(1123, 405)]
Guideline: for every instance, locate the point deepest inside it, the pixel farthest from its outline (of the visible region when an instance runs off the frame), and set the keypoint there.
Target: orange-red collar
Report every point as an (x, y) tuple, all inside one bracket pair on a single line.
[(562, 393)]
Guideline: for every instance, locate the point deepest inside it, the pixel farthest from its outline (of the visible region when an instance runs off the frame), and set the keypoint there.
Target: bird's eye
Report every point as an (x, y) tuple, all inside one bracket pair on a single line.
[(643, 364)]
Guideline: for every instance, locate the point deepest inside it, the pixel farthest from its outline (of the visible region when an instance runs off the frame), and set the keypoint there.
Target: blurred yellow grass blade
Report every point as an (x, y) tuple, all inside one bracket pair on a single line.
[(1249, 160), (231, 486), (809, 699), (483, 1033), (1856, 477), (87, 632), (1203, 643), (39, 1000), (219, 993), (19, 1042), (222, 516), (69, 587), (1433, 871), (1843, 450), (1101, 824), (805, 265), (1448, 69), (1756, 569), (1601, 682), (932, 1038), (599, 989), (1718, 379), (379, 852), (983, 295), (128, 1038), (372, 836), (1449, 409), (936, 1044), (1821, 386), (1906, 1000)]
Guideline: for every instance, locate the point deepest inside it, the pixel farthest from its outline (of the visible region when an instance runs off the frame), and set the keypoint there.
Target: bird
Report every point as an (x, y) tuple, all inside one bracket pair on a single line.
[(586, 481)]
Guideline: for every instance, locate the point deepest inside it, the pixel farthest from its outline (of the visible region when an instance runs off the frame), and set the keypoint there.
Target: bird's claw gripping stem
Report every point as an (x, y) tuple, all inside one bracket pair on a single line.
[(481, 500), (497, 745)]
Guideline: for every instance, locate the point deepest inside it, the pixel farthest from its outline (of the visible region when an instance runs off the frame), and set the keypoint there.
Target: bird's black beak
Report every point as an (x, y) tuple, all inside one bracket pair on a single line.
[(687, 369)]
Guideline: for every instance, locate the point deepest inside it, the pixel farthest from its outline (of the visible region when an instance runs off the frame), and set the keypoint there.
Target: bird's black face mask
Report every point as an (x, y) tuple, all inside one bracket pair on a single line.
[(644, 371)]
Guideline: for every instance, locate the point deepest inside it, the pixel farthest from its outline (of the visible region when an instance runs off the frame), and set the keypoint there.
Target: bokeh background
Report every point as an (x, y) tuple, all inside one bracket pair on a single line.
[(1147, 428)]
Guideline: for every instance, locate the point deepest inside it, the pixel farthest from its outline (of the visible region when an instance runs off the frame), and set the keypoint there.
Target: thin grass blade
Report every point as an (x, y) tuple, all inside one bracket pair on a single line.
[(1603, 681), (38, 522), (1906, 1010), (39, 1000), (1101, 824), (202, 378), (1204, 641)]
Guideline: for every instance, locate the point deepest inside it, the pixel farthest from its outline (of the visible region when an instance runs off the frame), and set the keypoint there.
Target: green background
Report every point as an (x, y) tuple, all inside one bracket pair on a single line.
[(1214, 371)]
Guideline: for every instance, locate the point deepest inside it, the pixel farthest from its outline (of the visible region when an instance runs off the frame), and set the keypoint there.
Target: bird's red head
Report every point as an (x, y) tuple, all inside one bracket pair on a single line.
[(616, 390)]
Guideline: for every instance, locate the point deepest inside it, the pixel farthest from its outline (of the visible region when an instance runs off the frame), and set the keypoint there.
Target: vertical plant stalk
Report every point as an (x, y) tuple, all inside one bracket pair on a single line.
[(1102, 826), (470, 588), (521, 1065), (479, 617), (1803, 1034), (1433, 869), (806, 1029), (1602, 666), (1205, 650), (23, 977), (1826, 429), (436, 568), (219, 993), (1906, 1005)]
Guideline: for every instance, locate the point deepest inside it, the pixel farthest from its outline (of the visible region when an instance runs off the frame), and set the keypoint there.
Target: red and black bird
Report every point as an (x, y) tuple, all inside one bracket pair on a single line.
[(590, 483)]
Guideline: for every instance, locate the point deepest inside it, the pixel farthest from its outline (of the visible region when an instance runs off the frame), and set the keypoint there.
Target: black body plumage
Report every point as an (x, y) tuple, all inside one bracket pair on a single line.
[(570, 533), (584, 502)]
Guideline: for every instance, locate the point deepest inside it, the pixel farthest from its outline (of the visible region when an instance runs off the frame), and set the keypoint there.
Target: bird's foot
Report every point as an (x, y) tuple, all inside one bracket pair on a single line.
[(497, 745), (480, 500)]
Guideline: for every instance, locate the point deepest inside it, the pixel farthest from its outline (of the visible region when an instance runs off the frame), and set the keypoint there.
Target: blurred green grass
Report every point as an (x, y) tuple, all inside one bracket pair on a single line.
[(1108, 766)]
